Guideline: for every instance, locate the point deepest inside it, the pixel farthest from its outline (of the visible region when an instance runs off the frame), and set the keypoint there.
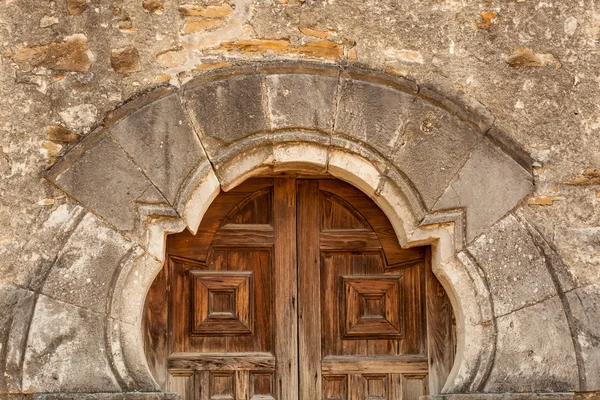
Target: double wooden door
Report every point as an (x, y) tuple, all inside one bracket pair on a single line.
[(297, 289)]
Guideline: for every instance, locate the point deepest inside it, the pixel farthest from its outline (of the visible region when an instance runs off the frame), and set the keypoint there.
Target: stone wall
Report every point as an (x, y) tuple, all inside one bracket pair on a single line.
[(523, 75)]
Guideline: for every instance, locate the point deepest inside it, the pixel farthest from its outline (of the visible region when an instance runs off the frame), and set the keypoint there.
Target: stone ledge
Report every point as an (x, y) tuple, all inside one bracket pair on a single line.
[(91, 396), (504, 396)]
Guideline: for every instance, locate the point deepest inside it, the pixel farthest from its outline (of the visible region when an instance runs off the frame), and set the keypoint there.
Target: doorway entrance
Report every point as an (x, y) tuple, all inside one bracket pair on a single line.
[(297, 289)]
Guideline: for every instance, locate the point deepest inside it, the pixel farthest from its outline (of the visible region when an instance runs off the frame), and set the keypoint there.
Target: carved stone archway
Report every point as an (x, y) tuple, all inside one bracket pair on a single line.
[(441, 172)]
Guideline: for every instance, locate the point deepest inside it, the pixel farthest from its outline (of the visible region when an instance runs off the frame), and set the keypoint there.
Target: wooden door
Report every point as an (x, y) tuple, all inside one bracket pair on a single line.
[(296, 289)]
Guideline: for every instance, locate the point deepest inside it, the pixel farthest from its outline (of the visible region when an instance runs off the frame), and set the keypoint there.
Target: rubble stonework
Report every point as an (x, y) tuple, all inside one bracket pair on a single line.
[(474, 126)]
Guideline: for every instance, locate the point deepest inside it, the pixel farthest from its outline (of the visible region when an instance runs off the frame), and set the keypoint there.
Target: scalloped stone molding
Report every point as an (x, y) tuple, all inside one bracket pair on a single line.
[(441, 172)]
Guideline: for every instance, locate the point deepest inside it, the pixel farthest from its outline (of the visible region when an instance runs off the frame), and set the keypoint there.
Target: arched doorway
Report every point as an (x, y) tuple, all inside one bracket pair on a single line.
[(297, 288)]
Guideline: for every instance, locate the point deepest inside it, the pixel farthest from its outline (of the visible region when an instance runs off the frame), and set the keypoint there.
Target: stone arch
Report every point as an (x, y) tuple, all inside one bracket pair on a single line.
[(441, 172)]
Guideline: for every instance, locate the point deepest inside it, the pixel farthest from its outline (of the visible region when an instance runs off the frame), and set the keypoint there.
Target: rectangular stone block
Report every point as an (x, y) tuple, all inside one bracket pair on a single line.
[(432, 148), (488, 186), (106, 181), (534, 351), (82, 274), (514, 266), (227, 110), (291, 105), (160, 139), (65, 351), (372, 113)]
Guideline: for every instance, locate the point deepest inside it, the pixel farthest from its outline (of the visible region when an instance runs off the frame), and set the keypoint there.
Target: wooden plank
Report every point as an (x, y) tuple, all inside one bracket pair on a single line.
[(309, 289), (241, 385), (286, 326), (349, 240), (222, 361), (374, 365), (156, 328), (440, 331), (234, 235), (182, 382)]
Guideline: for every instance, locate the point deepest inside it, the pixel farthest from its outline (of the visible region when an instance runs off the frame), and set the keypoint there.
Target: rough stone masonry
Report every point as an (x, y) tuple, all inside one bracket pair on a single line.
[(530, 69)]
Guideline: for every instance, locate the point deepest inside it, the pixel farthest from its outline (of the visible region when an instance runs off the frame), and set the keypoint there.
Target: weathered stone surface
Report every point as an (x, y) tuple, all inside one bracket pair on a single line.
[(292, 106), (83, 272), (76, 7), (162, 142), (501, 396), (584, 304), (432, 148), (72, 54), (125, 60), (227, 110), (515, 268), (580, 249), (220, 11), (489, 185), (17, 307), (372, 113), (65, 351), (121, 181), (80, 116), (540, 339), (62, 134), (153, 6)]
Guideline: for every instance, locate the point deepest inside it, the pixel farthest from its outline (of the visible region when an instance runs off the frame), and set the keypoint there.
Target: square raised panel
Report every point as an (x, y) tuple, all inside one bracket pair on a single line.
[(222, 303), (222, 384), (373, 307), (335, 387), (261, 386)]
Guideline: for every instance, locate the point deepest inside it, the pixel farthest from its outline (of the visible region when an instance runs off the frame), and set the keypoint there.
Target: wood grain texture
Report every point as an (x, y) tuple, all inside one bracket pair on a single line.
[(309, 310), (297, 289), (286, 329)]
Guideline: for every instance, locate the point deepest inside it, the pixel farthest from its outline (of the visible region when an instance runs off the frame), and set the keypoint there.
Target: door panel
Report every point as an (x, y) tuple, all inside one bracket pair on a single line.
[(296, 289), (369, 342)]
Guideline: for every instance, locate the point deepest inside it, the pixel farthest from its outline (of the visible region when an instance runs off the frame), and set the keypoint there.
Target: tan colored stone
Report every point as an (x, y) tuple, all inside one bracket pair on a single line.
[(70, 55), (352, 55), (315, 32), (526, 57), (322, 49), (258, 45), (126, 60), (153, 6), (541, 201), (76, 7), (199, 25), (61, 134), (205, 67), (488, 19), (193, 10), (171, 58), (589, 177)]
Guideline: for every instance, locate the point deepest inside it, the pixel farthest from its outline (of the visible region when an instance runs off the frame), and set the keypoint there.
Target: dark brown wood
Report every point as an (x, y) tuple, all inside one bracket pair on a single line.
[(297, 289), (440, 332), (309, 308), (286, 329)]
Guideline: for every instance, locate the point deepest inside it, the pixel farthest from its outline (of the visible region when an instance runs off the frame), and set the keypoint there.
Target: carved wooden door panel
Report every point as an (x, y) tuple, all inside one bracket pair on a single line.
[(295, 289), (362, 325)]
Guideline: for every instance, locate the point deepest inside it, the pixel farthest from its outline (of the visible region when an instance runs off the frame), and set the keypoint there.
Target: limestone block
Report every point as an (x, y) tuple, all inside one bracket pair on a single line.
[(585, 309), (580, 250), (433, 147), (534, 351), (372, 113), (291, 105), (513, 265), (227, 110), (162, 142), (17, 307), (355, 170), (66, 350), (106, 181), (82, 274), (489, 185)]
